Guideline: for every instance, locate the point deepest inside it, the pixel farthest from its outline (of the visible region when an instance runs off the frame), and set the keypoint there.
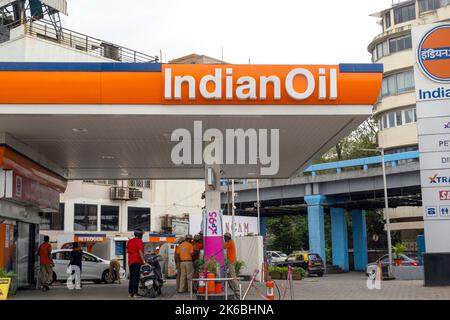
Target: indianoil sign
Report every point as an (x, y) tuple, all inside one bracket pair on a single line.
[(165, 84), (432, 80)]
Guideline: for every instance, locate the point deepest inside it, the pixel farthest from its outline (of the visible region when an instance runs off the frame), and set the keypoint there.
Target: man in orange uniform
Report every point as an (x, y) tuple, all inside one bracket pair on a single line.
[(198, 246), (230, 247), (186, 251), (177, 261), (46, 263)]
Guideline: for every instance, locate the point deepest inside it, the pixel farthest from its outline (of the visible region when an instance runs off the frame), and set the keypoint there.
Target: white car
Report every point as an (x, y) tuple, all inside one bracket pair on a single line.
[(93, 268), (276, 256)]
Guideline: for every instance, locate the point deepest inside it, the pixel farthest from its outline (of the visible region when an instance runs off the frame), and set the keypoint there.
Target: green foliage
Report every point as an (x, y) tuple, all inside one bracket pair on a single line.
[(350, 147), (288, 233), (12, 275), (284, 271), (301, 271), (399, 249), (212, 265), (238, 266), (201, 263)]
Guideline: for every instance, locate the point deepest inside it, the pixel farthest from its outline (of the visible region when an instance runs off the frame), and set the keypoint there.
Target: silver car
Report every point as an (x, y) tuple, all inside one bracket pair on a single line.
[(93, 268)]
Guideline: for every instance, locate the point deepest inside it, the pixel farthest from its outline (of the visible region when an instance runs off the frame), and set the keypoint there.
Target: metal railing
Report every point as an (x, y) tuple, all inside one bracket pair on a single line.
[(46, 30), (191, 289), (393, 159)]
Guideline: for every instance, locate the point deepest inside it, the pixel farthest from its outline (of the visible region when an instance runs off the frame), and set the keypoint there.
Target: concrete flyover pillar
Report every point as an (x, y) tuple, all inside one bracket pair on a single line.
[(263, 226), (316, 228), (359, 239), (339, 238)]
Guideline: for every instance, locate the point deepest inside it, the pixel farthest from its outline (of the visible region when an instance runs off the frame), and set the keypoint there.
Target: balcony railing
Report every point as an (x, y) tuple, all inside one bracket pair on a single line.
[(45, 30)]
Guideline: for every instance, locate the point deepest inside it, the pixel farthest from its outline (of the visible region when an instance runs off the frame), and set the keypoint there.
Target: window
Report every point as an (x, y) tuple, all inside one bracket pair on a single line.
[(53, 220), (409, 116), (109, 218), (385, 122), (387, 20), (391, 119), (63, 255), (400, 44), (397, 83), (398, 118), (140, 184), (382, 49), (138, 218), (405, 13), (85, 217), (88, 258), (429, 5)]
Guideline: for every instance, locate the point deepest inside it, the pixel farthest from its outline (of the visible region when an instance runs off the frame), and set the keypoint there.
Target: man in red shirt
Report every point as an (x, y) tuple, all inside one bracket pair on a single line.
[(46, 263), (135, 250)]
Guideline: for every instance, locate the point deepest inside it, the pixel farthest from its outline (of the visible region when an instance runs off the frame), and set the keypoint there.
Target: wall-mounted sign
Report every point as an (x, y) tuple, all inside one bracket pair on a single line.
[(29, 192), (80, 237), (180, 227), (242, 225), (435, 178)]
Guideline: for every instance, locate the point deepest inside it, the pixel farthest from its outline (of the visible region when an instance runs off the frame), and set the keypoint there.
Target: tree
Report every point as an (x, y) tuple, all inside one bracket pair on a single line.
[(364, 137), (288, 233)]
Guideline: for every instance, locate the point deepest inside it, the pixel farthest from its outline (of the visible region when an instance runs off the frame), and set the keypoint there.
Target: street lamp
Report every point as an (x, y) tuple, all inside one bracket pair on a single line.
[(386, 206)]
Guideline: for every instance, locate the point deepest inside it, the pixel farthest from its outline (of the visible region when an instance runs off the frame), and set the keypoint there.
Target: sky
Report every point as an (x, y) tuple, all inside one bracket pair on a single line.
[(255, 31)]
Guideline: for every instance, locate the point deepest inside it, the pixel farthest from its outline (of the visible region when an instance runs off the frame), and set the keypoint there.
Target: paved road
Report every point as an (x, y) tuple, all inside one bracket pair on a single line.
[(341, 287)]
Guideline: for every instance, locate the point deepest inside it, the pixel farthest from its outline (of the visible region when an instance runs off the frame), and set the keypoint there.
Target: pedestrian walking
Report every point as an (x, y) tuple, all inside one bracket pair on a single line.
[(76, 260), (135, 250), (46, 263), (186, 251)]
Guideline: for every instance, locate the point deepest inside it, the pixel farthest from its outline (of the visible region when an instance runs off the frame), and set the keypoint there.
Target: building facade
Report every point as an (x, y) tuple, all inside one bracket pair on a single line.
[(100, 214), (395, 111)]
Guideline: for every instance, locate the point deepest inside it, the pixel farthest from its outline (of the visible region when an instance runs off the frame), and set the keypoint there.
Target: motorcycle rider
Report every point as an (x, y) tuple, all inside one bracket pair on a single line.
[(135, 250)]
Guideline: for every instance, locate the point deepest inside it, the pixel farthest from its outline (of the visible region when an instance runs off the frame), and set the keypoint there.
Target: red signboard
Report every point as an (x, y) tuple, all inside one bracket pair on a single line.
[(33, 193)]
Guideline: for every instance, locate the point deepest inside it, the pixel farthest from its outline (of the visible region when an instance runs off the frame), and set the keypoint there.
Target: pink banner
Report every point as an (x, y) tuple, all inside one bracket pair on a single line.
[(213, 237)]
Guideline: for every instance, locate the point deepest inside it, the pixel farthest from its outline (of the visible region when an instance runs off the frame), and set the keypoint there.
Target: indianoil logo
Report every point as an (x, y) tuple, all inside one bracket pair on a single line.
[(434, 54)]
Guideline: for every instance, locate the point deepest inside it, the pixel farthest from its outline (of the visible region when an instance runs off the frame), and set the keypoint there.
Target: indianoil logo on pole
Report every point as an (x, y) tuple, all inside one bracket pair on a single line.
[(433, 58)]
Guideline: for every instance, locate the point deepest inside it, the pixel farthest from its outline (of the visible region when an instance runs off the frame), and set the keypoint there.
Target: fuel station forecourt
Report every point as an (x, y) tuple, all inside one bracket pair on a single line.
[(87, 121)]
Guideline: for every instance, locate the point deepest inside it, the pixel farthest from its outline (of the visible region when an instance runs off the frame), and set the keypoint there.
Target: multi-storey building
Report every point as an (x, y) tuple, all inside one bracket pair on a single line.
[(395, 111)]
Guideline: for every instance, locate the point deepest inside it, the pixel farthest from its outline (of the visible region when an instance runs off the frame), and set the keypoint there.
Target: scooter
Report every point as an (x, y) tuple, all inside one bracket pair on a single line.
[(150, 277)]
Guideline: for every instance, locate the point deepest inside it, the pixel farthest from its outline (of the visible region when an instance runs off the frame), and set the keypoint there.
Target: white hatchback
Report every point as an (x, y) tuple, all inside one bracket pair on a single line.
[(93, 268)]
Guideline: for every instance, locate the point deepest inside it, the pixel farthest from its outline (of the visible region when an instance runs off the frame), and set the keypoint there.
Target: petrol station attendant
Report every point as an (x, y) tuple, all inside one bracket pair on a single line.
[(186, 251), (230, 247), (135, 250)]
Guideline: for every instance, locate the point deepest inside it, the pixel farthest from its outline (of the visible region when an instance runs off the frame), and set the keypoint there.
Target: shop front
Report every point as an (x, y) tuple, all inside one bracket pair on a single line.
[(25, 190)]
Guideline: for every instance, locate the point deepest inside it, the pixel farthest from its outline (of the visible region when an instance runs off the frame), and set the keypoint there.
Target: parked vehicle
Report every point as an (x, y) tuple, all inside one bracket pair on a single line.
[(371, 268), (276, 256), (150, 279), (94, 268), (311, 262)]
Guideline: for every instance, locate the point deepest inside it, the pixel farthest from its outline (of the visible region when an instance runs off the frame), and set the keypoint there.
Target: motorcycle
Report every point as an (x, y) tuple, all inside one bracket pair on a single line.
[(150, 276)]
